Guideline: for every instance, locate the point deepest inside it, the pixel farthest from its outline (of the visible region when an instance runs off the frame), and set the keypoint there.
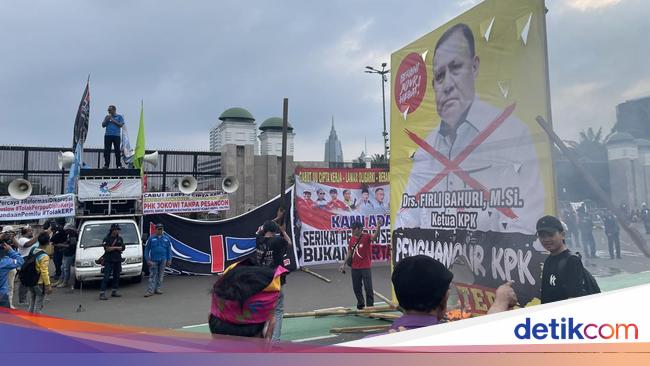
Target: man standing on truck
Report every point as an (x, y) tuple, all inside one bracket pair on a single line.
[(113, 248), (158, 254)]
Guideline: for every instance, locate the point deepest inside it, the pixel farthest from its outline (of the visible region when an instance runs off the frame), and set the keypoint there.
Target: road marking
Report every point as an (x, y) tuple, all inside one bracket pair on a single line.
[(314, 338), (195, 326)]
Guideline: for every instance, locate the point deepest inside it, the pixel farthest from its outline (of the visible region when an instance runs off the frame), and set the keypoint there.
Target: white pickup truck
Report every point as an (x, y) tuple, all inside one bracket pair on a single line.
[(89, 249)]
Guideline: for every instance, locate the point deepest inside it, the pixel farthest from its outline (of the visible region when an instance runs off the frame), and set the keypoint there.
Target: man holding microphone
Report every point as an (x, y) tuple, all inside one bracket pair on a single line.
[(113, 124)]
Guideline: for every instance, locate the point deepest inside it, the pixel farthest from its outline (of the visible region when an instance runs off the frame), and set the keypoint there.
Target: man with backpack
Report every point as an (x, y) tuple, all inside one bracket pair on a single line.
[(270, 251), (35, 275), (563, 275), (9, 261)]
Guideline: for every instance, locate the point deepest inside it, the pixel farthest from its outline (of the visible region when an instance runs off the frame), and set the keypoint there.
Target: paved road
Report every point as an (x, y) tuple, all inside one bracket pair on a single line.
[(187, 299)]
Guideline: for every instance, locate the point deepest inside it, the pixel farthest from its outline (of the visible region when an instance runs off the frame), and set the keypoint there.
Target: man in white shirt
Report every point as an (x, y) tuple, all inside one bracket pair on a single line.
[(25, 244), (477, 147)]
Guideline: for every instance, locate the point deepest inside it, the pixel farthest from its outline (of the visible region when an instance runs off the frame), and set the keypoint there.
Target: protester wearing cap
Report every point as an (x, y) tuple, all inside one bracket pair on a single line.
[(69, 250), (421, 286), (9, 237), (113, 248), (562, 273), (26, 242), (158, 254), (9, 261)]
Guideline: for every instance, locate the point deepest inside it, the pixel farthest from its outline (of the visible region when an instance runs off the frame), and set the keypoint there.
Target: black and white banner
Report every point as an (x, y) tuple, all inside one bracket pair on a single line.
[(208, 247)]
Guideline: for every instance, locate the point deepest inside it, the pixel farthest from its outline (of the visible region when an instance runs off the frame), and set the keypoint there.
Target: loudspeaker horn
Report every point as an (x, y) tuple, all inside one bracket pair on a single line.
[(151, 158), (20, 189), (65, 159), (187, 184), (229, 184)]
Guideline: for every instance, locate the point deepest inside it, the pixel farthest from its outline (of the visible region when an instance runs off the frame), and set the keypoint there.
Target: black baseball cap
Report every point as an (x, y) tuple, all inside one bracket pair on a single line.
[(549, 224), (160, 226), (115, 227), (420, 282)]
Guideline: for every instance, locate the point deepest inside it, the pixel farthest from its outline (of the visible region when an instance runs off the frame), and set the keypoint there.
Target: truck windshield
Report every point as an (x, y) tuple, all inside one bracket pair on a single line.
[(94, 234)]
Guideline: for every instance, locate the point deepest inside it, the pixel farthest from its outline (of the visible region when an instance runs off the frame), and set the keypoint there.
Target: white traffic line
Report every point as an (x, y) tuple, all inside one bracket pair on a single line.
[(195, 326), (315, 338)]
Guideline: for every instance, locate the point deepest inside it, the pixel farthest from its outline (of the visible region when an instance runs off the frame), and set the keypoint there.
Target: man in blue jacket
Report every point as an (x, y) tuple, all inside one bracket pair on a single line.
[(9, 260), (158, 254)]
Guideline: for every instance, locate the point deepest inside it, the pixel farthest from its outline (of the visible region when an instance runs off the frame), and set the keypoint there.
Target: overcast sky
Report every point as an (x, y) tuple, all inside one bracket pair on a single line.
[(190, 60)]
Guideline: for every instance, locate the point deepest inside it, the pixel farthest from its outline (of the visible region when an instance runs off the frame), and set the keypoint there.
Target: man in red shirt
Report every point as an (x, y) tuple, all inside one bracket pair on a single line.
[(360, 253), (335, 203)]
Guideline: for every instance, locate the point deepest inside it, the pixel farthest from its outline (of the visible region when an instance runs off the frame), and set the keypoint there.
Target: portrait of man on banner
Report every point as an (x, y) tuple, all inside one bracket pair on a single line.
[(481, 158)]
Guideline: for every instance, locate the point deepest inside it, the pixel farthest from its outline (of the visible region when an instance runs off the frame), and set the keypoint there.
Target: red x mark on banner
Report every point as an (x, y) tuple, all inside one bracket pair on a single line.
[(453, 166)]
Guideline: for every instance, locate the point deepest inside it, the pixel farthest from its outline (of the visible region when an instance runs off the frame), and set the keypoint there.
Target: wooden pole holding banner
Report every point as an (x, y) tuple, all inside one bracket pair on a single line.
[(283, 174), (362, 329), (634, 234), (308, 271)]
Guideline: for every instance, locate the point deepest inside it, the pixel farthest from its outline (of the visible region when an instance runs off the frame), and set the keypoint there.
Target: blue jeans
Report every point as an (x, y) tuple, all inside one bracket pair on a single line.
[(279, 313), (4, 300), (115, 268), (66, 269), (156, 274)]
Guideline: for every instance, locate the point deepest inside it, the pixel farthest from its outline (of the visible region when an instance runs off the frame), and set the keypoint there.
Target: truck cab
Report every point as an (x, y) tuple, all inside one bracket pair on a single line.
[(106, 197), (89, 249)]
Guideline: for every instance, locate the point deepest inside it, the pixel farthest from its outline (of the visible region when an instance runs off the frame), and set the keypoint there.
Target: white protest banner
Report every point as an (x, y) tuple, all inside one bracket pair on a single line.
[(176, 202), (36, 207), (105, 189)]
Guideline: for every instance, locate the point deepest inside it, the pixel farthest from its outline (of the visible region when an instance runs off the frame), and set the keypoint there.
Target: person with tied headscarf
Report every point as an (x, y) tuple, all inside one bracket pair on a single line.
[(244, 300)]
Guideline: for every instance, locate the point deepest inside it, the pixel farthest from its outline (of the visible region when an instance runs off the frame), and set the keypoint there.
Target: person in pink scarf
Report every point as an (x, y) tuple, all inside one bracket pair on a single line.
[(243, 301)]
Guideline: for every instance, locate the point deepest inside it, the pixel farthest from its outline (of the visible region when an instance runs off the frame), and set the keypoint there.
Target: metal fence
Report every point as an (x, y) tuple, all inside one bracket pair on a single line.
[(39, 165)]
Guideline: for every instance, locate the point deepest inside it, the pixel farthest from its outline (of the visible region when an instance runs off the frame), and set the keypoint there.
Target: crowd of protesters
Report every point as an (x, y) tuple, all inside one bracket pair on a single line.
[(248, 298)]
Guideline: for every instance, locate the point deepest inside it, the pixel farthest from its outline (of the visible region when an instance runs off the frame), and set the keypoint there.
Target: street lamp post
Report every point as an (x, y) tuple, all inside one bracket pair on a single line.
[(384, 79)]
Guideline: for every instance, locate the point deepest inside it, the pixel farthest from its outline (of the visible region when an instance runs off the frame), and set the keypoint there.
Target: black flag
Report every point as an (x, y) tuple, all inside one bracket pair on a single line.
[(81, 121)]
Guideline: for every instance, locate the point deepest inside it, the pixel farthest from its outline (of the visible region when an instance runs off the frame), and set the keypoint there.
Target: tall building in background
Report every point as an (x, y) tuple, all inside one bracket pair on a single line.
[(237, 127), (633, 117), (333, 150), (271, 137)]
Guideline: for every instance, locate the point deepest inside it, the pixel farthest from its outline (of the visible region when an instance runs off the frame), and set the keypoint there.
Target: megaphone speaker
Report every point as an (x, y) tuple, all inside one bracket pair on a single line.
[(151, 158), (229, 184), (20, 189), (187, 184), (65, 159)]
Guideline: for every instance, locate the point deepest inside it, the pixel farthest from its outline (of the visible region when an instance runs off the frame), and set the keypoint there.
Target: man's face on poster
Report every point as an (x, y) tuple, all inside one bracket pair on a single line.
[(364, 196), (306, 195), (334, 196), (454, 72), (379, 195), (347, 195)]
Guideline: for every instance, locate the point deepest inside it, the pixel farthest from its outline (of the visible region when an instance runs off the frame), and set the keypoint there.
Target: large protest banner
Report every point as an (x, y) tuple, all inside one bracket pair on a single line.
[(177, 202), (208, 247), (36, 207), (328, 201), (471, 170)]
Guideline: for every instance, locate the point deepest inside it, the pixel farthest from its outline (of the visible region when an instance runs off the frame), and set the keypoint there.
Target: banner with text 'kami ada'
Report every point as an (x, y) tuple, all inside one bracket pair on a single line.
[(328, 201)]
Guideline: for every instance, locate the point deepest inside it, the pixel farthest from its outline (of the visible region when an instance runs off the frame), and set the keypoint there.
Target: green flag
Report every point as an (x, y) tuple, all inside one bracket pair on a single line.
[(139, 145)]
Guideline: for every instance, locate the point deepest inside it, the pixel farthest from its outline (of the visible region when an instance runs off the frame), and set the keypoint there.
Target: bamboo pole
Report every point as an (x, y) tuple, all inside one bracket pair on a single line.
[(384, 298), (381, 316), (362, 329), (321, 277), (344, 311)]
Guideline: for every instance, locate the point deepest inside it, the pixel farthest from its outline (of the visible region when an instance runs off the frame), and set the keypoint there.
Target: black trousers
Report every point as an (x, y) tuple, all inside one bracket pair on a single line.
[(588, 243), (114, 268), (359, 277), (58, 262), (613, 240), (116, 142)]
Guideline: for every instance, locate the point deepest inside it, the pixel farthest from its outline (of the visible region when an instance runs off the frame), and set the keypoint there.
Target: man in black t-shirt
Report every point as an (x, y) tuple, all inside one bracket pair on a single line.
[(562, 276), (272, 245), (113, 248)]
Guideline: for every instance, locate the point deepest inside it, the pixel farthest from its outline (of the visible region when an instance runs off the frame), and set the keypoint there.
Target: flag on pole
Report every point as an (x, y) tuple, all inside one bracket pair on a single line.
[(138, 157), (79, 137), (127, 151), (83, 115)]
